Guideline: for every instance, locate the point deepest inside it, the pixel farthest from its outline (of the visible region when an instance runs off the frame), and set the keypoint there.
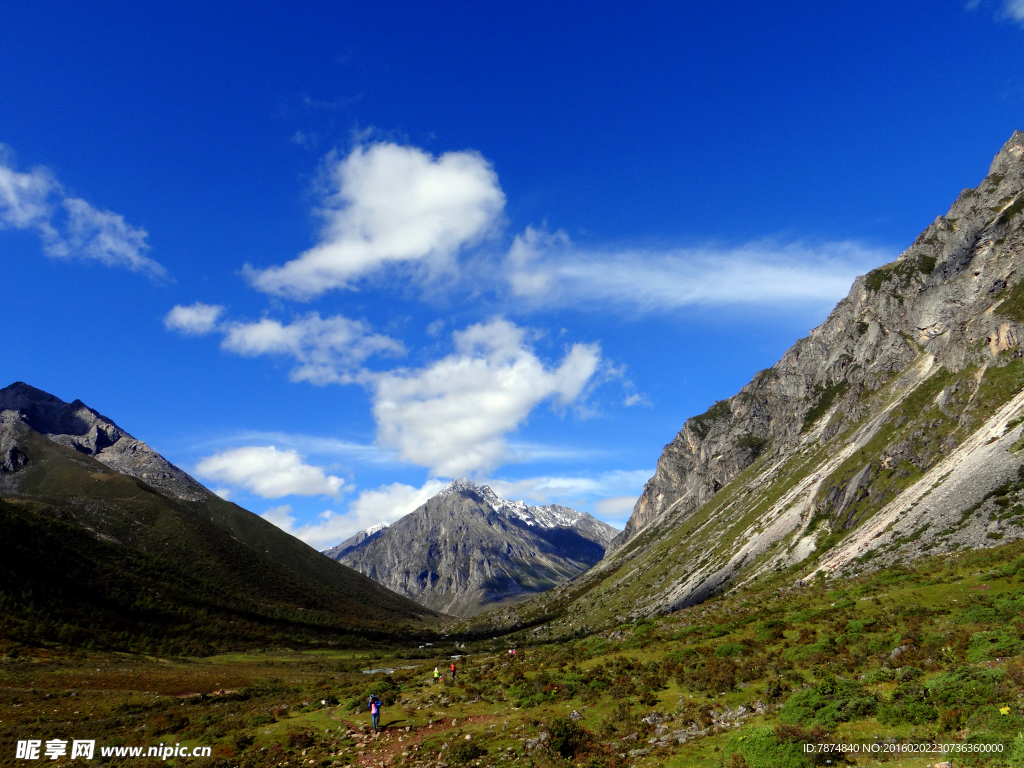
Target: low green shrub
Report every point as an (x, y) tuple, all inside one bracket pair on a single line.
[(830, 703), (966, 687)]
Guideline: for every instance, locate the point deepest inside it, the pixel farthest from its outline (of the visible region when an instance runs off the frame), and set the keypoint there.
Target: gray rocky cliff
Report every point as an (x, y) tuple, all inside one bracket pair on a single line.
[(937, 298), (466, 549), (77, 426)]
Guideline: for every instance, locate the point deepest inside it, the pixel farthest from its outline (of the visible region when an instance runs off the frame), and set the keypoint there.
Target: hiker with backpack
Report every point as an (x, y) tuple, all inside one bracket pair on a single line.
[(453, 671), (375, 705)]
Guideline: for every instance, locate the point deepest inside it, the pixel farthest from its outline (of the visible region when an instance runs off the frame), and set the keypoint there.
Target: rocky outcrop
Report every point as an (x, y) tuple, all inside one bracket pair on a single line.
[(467, 548), (77, 426)]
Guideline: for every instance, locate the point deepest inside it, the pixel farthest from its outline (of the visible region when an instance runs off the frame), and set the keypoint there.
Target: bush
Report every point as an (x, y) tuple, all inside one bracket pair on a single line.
[(464, 752), (914, 712), (568, 738), (300, 739), (243, 741), (760, 748), (966, 687), (907, 674), (728, 650), (714, 677), (880, 675), (771, 630), (832, 702)]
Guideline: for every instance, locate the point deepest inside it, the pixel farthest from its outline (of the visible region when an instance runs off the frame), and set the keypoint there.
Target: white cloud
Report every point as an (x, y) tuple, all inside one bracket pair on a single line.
[(453, 415), (542, 267), (77, 229), (389, 204), (268, 472), (195, 319), (388, 503), (381, 505), (327, 350), (281, 517)]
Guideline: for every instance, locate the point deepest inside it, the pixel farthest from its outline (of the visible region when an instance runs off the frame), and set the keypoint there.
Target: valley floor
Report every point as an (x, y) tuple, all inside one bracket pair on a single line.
[(877, 663)]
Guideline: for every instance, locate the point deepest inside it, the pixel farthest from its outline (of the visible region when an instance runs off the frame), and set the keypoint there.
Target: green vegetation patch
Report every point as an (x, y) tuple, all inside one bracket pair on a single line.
[(903, 270), (1013, 305), (702, 424), (825, 399), (829, 703)]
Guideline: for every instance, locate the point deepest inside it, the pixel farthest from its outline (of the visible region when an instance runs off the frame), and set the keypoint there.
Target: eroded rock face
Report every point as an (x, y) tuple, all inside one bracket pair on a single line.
[(467, 548), (77, 426), (938, 298)]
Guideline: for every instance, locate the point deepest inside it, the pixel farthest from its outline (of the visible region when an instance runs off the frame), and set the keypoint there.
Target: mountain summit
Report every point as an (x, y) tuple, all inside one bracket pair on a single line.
[(467, 548)]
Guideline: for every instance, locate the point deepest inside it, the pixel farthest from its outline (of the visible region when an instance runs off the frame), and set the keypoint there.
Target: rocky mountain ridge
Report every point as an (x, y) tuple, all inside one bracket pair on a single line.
[(467, 548), (893, 430), (77, 426)]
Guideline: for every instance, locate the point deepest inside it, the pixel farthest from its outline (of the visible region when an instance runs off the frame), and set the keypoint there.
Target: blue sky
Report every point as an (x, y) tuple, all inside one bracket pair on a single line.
[(327, 258)]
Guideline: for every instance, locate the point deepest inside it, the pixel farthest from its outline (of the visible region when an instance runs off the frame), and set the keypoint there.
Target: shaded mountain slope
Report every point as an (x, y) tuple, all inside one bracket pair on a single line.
[(466, 549), (241, 563), (892, 430)]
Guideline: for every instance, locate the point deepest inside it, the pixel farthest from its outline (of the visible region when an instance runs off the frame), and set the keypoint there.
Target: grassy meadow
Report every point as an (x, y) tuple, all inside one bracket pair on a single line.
[(933, 655)]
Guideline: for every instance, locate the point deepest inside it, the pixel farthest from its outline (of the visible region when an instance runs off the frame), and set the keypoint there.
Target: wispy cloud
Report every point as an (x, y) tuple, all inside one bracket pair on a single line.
[(388, 204), (1012, 10), (545, 268), (269, 472), (69, 227)]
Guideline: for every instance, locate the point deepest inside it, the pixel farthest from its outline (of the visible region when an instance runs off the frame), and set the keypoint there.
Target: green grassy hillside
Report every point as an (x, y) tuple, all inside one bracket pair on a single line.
[(98, 558)]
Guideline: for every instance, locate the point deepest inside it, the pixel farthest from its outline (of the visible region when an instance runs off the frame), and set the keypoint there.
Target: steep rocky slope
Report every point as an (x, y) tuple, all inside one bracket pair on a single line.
[(467, 548), (892, 430), (75, 483)]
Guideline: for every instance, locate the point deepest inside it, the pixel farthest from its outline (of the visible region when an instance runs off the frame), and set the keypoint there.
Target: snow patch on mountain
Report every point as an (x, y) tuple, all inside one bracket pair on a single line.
[(549, 516)]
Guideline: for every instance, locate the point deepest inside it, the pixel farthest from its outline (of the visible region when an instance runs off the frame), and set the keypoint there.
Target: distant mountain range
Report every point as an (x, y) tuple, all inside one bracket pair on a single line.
[(107, 543), (467, 549)]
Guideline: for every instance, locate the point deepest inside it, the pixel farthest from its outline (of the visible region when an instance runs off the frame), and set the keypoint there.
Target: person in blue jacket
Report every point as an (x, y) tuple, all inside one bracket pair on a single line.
[(375, 705)]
